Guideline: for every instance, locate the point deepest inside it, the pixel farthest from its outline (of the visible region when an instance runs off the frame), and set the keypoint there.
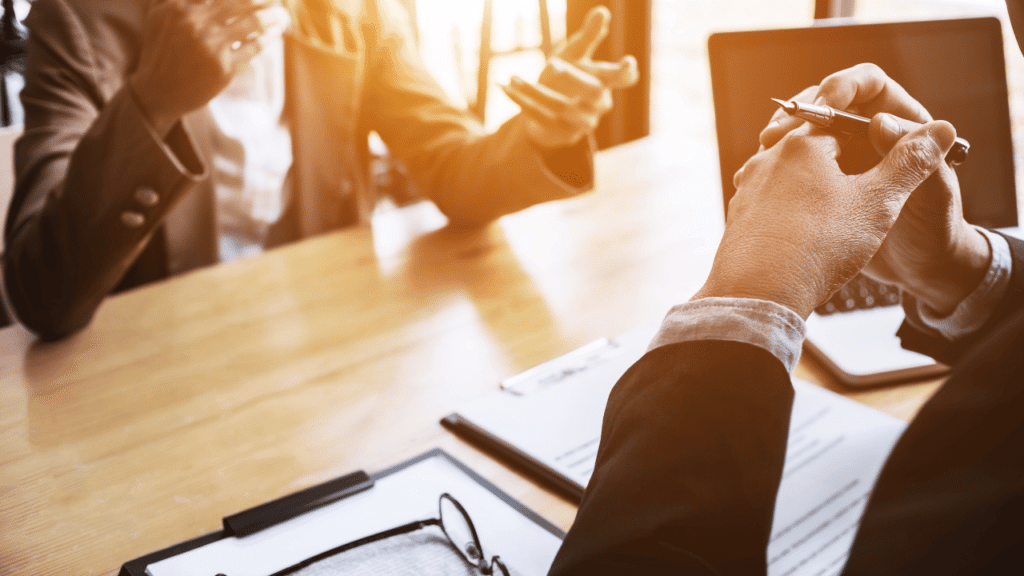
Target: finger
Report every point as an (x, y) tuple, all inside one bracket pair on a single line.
[(804, 146), (225, 11), (886, 130), (530, 106), (552, 99), (582, 44), (571, 80), (614, 75), (912, 160), (242, 52), (782, 123), (254, 26), (569, 122), (867, 85)]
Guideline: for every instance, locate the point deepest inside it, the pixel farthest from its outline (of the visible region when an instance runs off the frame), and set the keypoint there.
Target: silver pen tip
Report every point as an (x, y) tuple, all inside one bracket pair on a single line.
[(789, 107)]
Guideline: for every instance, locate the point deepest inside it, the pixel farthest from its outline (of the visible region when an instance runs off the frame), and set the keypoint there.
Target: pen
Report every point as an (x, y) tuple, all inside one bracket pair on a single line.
[(839, 122)]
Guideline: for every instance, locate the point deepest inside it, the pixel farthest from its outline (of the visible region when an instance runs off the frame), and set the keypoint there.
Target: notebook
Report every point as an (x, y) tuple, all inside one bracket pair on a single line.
[(955, 68)]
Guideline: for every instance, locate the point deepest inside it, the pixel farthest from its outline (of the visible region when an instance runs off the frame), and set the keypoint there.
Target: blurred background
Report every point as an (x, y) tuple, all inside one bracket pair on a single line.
[(673, 33), (472, 45)]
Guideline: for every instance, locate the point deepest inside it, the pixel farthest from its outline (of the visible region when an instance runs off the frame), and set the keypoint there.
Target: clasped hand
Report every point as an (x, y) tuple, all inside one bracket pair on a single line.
[(573, 91), (799, 227)]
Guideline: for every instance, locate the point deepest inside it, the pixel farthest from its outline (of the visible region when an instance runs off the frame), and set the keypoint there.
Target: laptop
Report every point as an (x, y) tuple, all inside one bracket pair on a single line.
[(955, 68)]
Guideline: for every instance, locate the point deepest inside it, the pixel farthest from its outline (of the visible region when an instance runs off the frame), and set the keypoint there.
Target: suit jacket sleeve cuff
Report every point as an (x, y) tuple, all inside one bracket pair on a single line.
[(564, 172), (975, 310), (767, 325), (120, 183), (177, 148), (572, 166)]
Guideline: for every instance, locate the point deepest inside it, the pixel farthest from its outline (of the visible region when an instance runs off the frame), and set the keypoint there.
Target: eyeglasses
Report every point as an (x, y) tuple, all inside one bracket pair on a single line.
[(453, 520)]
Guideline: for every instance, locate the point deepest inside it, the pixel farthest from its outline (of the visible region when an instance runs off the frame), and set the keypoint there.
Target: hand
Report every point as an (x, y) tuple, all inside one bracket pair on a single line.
[(931, 251), (573, 91), (193, 48), (799, 228)]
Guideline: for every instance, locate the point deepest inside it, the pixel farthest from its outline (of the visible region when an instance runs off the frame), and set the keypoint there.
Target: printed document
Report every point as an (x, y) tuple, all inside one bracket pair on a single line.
[(551, 417)]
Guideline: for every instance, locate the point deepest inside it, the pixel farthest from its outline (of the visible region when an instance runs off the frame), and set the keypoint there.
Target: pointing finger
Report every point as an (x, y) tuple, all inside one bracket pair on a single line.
[(583, 43)]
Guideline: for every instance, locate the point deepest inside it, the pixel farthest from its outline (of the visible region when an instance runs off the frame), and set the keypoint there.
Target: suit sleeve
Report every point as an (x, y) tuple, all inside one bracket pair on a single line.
[(93, 180), (471, 176), (949, 352), (691, 455)]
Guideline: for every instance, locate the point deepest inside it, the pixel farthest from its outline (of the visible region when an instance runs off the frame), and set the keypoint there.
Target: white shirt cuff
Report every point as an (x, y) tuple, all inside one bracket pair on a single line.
[(764, 324), (975, 310)]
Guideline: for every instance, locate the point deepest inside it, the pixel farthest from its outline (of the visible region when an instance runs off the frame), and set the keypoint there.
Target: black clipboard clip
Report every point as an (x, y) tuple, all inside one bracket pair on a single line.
[(291, 506), (261, 517)]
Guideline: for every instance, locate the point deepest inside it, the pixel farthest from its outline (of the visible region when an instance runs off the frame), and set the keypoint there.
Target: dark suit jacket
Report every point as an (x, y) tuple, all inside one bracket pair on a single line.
[(693, 445), (86, 151)]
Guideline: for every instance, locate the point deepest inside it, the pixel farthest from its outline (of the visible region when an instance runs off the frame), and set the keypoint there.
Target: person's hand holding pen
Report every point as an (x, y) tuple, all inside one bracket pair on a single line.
[(191, 49), (573, 91), (799, 228), (931, 251)]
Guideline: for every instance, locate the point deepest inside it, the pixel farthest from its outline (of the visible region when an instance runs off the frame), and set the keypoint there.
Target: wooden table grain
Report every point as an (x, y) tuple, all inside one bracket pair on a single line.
[(206, 394)]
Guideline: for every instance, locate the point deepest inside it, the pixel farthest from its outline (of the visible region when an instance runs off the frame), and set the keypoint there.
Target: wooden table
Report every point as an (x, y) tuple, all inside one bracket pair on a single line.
[(216, 391)]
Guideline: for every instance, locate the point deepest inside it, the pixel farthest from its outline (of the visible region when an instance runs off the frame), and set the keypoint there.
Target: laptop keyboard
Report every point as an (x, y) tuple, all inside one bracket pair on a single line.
[(861, 293)]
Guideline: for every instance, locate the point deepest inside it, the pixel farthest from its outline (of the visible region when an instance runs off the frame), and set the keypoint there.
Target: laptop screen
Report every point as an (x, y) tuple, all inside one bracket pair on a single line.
[(955, 68)]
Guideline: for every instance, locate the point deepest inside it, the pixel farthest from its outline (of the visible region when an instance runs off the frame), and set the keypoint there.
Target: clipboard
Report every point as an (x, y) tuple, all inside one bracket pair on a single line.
[(293, 506)]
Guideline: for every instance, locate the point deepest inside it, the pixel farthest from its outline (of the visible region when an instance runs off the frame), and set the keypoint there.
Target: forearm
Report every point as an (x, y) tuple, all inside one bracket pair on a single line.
[(83, 219), (476, 178), (691, 457)]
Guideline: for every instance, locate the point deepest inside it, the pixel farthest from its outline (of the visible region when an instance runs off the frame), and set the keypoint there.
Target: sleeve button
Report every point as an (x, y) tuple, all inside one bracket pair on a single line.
[(132, 219), (147, 197)]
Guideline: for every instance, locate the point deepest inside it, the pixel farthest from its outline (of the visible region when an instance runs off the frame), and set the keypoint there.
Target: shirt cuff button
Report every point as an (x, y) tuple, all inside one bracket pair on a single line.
[(132, 219)]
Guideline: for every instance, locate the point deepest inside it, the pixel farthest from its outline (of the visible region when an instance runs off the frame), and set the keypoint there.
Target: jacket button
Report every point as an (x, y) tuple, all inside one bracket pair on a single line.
[(347, 187), (147, 197), (132, 219)]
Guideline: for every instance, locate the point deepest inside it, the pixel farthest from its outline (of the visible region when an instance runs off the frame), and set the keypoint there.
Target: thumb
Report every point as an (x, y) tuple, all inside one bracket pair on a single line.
[(886, 130), (911, 160), (583, 43)]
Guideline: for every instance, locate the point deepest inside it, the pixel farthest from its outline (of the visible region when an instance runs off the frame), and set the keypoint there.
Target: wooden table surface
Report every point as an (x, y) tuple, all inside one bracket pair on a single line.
[(210, 393)]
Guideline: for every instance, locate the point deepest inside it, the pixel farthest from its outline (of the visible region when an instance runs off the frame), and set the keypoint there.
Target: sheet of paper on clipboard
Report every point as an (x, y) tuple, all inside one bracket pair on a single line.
[(525, 543)]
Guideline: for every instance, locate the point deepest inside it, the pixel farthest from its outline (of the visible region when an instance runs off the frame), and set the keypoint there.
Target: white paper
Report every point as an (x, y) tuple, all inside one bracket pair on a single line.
[(407, 496), (558, 423), (836, 450)]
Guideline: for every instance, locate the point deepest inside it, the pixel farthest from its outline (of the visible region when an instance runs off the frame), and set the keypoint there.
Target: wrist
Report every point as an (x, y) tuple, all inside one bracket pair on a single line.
[(161, 122), (777, 289), (947, 283)]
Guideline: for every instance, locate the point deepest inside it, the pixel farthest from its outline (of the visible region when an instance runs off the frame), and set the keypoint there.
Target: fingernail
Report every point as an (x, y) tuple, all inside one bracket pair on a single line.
[(943, 134), (890, 127)]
